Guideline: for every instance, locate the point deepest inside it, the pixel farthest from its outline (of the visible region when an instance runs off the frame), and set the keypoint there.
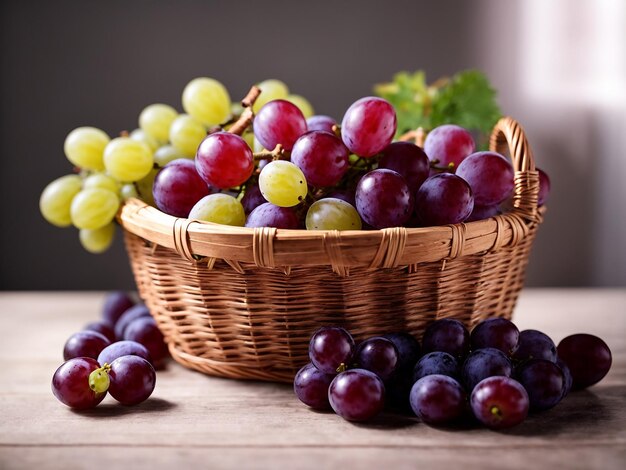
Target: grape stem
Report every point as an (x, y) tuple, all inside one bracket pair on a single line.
[(418, 136), (251, 97), (448, 167), (279, 153)]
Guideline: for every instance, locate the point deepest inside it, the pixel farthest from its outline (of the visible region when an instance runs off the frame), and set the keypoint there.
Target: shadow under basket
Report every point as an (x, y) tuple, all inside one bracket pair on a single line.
[(243, 303)]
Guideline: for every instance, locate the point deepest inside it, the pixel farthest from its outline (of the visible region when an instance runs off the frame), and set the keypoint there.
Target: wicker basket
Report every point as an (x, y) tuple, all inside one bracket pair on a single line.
[(242, 303)]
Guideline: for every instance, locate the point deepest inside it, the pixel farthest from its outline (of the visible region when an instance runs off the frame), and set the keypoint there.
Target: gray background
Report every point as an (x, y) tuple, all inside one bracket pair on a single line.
[(70, 63)]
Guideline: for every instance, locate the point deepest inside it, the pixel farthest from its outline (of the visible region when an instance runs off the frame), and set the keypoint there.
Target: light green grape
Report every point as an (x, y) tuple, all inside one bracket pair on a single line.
[(56, 199), (128, 191), (98, 240), (166, 154), (100, 180), (249, 138), (84, 147), (93, 208), (156, 119), (99, 379), (144, 187), (220, 209), (186, 134), (332, 214), (128, 160), (303, 105), (282, 183), (207, 100), (142, 136), (270, 90)]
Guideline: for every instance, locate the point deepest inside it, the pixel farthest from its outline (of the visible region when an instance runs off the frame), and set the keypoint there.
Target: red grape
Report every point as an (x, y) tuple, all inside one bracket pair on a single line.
[(102, 327), (115, 304), (145, 331), (534, 344), (269, 215), (330, 347), (368, 126), (70, 383), (85, 344), (252, 198), (443, 199), (490, 176), (483, 212), (407, 159), (177, 187), (449, 144), (322, 157), (132, 380), (311, 387), (138, 311), (499, 402), (378, 355), (587, 357), (437, 362), (279, 122), (357, 395), (437, 399), (224, 160), (447, 335), (544, 382), (383, 199), (123, 348), (320, 123), (483, 363), (544, 187), (498, 333)]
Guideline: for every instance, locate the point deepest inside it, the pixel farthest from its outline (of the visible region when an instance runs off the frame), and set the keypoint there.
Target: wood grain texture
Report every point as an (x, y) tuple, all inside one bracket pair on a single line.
[(196, 421)]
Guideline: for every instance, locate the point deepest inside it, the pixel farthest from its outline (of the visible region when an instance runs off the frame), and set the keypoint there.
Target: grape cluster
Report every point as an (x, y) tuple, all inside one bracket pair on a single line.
[(496, 373), (118, 354)]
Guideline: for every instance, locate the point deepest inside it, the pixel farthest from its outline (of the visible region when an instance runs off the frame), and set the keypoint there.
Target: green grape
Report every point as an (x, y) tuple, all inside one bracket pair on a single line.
[(270, 90), (282, 183), (249, 138), (156, 119), (84, 147), (56, 199), (144, 187), (93, 208), (332, 214), (186, 134), (142, 136), (128, 191), (220, 209), (166, 154), (98, 240), (207, 100), (100, 180), (303, 104), (128, 160), (99, 379)]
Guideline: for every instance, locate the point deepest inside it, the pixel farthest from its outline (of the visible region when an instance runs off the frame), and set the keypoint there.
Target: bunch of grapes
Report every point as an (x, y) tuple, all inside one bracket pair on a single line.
[(496, 374), (118, 354)]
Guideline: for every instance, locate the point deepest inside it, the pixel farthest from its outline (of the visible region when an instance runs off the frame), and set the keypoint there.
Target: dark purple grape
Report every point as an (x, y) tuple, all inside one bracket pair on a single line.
[(132, 380), (368, 126), (138, 311), (483, 212), (224, 160), (447, 335), (397, 391), (449, 144), (498, 333), (407, 159), (443, 199), (102, 327), (252, 198), (70, 384), (145, 331), (483, 363), (343, 194), (490, 176), (279, 122), (568, 381), (178, 186), (330, 347), (588, 358), (408, 351), (437, 362), (322, 157), (544, 382), (383, 199), (437, 399), (357, 395), (544, 187), (534, 344), (320, 123), (85, 344), (378, 355), (311, 387), (499, 402), (115, 304), (269, 215), (123, 348)]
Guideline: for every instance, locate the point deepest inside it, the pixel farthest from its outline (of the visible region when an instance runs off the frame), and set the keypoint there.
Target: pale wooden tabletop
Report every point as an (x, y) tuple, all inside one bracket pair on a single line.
[(196, 421)]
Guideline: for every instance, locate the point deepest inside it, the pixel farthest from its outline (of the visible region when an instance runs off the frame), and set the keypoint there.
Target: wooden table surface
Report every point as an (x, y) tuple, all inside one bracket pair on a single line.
[(196, 421)]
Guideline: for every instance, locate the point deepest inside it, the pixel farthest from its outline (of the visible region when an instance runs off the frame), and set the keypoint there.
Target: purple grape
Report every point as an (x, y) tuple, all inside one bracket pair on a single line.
[(322, 157), (438, 362), (85, 344), (383, 199), (443, 199), (145, 331), (534, 344), (483, 212), (407, 159), (437, 399), (138, 311), (252, 198), (115, 304), (343, 194), (544, 382), (132, 380), (499, 402), (279, 122), (568, 381), (498, 333), (368, 126), (357, 395), (378, 355), (449, 144), (321, 123), (483, 363), (490, 176), (224, 160), (447, 335), (102, 327), (544, 187), (311, 387), (269, 215), (587, 357), (408, 351), (70, 384), (330, 347), (177, 187), (123, 348)]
